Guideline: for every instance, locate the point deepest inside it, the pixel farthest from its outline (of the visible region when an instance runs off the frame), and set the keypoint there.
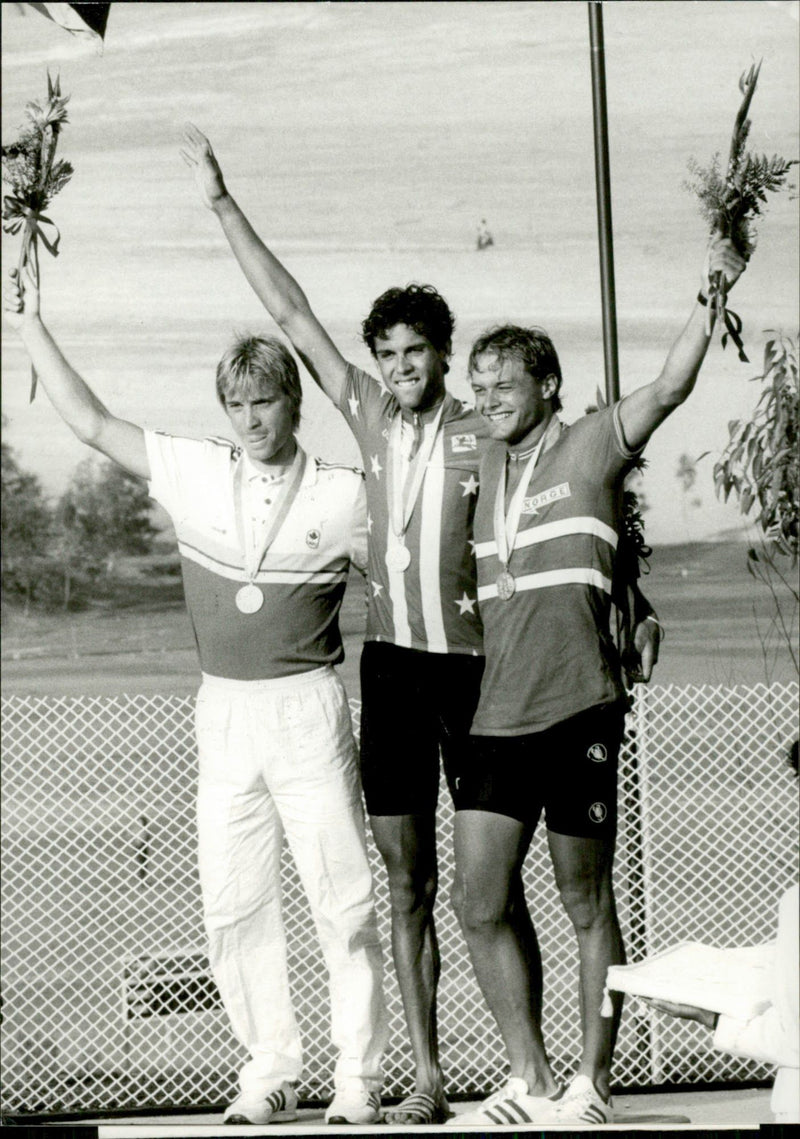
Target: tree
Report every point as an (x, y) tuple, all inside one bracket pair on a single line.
[(760, 468), (25, 528), (103, 513)]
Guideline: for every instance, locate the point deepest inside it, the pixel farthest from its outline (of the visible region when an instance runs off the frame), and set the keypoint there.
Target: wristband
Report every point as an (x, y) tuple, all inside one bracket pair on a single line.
[(655, 621), (702, 300)]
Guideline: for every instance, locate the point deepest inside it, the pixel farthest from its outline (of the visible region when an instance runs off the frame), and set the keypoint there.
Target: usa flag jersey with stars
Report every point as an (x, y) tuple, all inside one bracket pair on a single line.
[(431, 605)]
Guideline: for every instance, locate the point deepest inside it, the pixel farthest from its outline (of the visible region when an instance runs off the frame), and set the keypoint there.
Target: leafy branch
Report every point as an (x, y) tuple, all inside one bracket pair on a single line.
[(759, 466), (760, 462)]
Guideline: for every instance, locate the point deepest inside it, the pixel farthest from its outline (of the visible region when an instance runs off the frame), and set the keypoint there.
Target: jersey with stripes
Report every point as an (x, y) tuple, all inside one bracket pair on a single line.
[(432, 604), (302, 576), (549, 651)]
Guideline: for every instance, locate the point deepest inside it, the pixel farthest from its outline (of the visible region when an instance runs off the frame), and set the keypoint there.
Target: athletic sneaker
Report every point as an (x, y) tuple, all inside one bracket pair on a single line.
[(511, 1104), (582, 1103), (354, 1104), (278, 1106)]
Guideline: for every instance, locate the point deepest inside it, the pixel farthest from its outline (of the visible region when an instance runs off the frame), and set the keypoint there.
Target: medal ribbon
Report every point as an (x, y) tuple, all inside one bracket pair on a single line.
[(282, 506), (507, 525), (403, 498)]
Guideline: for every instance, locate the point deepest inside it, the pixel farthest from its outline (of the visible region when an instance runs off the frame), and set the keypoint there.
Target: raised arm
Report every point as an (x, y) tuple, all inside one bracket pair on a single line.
[(277, 290), (644, 410), (69, 394)]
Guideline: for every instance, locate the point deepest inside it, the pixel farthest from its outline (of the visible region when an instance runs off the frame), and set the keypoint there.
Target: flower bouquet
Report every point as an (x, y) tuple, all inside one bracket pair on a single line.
[(34, 178), (730, 203)]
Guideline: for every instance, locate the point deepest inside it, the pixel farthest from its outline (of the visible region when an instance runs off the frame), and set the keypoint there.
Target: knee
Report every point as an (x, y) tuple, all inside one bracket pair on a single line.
[(352, 932), (476, 913), (411, 890), (587, 904)]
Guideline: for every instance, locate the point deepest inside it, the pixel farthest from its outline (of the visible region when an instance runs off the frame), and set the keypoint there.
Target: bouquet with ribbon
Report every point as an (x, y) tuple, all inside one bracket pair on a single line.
[(732, 201), (34, 177)]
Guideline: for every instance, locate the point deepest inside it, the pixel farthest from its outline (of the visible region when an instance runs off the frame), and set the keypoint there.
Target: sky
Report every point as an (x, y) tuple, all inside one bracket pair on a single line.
[(366, 141)]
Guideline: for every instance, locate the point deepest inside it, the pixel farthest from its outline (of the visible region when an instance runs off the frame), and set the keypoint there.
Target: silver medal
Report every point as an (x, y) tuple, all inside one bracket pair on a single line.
[(506, 586), (398, 558), (249, 598)]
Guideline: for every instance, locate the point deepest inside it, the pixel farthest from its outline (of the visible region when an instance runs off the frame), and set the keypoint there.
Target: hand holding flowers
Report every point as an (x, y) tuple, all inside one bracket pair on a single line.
[(730, 203), (35, 177), (723, 267)]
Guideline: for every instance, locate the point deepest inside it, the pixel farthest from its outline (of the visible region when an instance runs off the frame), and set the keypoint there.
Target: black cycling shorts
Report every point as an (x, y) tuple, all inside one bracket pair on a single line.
[(568, 770), (413, 705)]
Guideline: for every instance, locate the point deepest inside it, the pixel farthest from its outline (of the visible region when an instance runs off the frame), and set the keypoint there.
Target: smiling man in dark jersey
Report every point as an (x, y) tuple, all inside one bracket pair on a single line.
[(549, 724)]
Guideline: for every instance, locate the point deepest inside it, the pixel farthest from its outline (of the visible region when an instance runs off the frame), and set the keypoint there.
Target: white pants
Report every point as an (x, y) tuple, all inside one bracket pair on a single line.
[(278, 756)]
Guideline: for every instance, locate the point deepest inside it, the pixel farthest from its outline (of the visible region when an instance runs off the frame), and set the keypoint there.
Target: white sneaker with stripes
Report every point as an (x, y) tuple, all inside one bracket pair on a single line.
[(511, 1104), (354, 1104), (582, 1103), (278, 1106)]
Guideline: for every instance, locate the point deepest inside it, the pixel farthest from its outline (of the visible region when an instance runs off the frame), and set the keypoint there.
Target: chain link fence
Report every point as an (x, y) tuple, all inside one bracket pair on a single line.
[(107, 999)]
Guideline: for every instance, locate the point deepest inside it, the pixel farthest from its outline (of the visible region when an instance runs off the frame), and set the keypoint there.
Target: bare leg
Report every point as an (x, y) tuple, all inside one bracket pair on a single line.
[(407, 844), (490, 902), (583, 875)]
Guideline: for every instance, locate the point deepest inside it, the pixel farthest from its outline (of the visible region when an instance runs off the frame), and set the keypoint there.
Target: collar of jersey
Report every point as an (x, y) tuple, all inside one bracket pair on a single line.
[(451, 404), (251, 472)]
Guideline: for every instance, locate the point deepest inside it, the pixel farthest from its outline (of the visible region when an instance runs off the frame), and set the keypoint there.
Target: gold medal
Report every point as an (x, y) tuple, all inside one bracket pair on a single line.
[(398, 558), (249, 598), (506, 585)]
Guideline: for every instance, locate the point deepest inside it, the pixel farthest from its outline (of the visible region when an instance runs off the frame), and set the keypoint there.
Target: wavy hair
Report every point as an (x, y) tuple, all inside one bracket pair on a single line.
[(421, 307), (255, 364)]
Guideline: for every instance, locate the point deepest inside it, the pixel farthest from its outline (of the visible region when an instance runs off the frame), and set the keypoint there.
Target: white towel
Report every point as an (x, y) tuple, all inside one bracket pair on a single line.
[(735, 982)]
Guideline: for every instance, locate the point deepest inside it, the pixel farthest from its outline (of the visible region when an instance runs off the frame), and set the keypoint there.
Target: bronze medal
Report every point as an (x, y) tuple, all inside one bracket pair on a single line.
[(506, 586)]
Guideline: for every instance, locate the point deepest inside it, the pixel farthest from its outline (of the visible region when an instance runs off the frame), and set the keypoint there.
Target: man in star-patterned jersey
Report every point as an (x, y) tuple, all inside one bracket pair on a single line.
[(423, 659)]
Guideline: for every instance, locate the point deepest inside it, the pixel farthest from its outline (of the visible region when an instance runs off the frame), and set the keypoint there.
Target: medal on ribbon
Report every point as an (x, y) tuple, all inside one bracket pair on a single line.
[(398, 558), (403, 494), (506, 524), (249, 598), (506, 585)]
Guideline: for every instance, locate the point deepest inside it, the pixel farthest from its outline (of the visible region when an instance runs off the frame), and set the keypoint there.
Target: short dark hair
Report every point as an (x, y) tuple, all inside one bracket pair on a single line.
[(253, 364), (532, 346), (421, 307)]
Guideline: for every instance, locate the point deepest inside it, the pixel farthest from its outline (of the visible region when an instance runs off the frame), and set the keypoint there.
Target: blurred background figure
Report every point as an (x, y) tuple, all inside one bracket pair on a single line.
[(485, 238)]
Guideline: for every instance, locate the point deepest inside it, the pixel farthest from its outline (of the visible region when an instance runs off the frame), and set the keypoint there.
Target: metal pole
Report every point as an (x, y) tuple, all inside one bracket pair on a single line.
[(603, 184), (634, 848)]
